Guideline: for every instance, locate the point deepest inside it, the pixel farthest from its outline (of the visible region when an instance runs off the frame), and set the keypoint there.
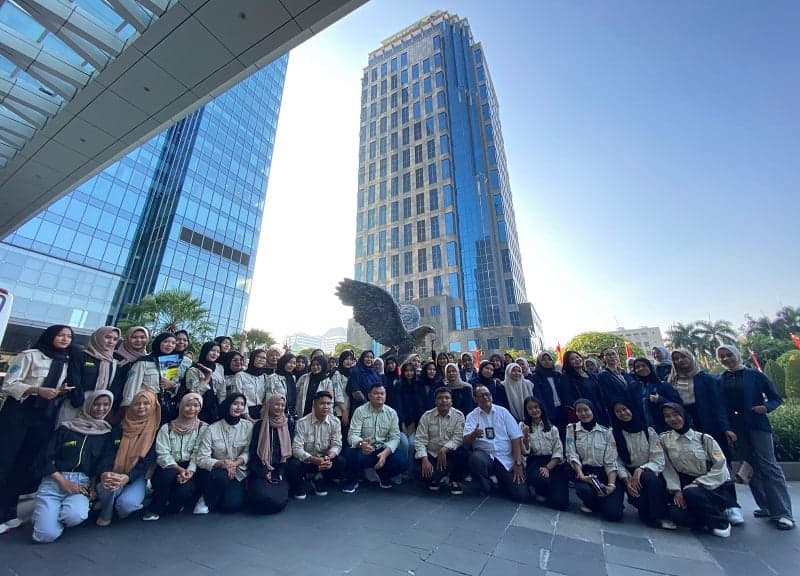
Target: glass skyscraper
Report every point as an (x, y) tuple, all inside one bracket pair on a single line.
[(182, 211), (435, 219)]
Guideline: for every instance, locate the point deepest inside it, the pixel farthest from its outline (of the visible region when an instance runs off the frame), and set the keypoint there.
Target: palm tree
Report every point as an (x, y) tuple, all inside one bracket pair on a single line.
[(169, 311), (715, 334), (787, 320), (684, 336)]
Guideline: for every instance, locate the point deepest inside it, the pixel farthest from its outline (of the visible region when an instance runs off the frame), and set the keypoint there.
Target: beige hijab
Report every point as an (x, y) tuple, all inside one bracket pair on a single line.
[(95, 349)]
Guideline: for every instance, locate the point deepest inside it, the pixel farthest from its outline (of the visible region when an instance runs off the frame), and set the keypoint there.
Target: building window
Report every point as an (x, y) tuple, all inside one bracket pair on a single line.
[(409, 291), (370, 271), (436, 256), (421, 231), (447, 195), (434, 227), (406, 207), (382, 241), (408, 263), (501, 231), (418, 154), (423, 288), (514, 318), (510, 297), (506, 257), (445, 169), (431, 149), (395, 241), (438, 288), (432, 174), (370, 244), (452, 258), (382, 215), (407, 239), (493, 343), (436, 310), (395, 289), (455, 317), (406, 182), (395, 265), (395, 211), (417, 130), (382, 269), (453, 286), (510, 342), (407, 158), (420, 203), (419, 180), (422, 260)]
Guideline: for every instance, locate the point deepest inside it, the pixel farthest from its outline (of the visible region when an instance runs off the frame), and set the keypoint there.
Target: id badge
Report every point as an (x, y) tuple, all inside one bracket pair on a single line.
[(489, 433)]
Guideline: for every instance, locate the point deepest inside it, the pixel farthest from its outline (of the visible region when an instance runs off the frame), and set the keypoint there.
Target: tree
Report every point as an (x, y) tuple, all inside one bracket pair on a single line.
[(168, 311), (256, 338), (766, 347), (715, 334), (594, 342), (304, 352), (792, 370), (342, 346), (520, 354), (787, 320), (684, 336), (775, 373)]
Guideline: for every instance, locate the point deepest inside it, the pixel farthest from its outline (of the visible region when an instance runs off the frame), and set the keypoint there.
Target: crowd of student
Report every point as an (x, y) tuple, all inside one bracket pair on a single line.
[(103, 427)]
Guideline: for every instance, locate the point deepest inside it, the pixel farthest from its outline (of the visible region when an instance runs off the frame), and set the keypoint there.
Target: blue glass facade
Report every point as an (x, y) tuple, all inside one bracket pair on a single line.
[(182, 211), (431, 142)]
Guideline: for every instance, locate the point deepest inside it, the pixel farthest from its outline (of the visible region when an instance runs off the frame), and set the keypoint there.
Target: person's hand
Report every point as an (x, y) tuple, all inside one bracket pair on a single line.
[(109, 480), (760, 409), (167, 384), (367, 447), (123, 480), (221, 463), (691, 486), (47, 393), (382, 459), (359, 396), (427, 468), (633, 491), (92, 493), (678, 500), (74, 487), (345, 418), (731, 436), (653, 398), (636, 481), (477, 433), (518, 473), (441, 459), (526, 430), (588, 479), (325, 464), (231, 468), (609, 490), (544, 471)]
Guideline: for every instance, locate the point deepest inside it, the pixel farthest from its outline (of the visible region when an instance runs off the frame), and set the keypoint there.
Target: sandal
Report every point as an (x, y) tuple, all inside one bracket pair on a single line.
[(784, 523)]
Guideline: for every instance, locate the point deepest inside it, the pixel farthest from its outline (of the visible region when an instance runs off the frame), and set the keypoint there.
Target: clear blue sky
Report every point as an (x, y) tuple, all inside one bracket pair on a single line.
[(653, 152)]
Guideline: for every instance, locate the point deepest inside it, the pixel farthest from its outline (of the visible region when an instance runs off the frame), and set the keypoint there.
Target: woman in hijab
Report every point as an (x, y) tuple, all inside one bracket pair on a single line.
[(270, 448), (311, 383), (174, 482), (544, 452), (518, 389), (252, 383), (91, 369), (428, 382), (577, 383), (498, 365), (146, 374), (362, 377), (206, 377), (641, 462), (663, 364), (704, 402), (390, 374), (460, 391), (591, 365), (546, 383), (301, 366), (592, 455), (223, 454), (650, 394), (408, 400), (75, 455), (123, 487), (232, 364), (377, 364), (749, 397), (696, 473), (526, 367), (132, 347), (182, 350), (341, 401), (34, 385), (485, 377), (284, 372)]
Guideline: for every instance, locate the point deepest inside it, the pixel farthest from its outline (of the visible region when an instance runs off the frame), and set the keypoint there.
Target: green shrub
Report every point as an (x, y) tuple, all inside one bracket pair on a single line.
[(774, 372), (792, 369), (786, 428)]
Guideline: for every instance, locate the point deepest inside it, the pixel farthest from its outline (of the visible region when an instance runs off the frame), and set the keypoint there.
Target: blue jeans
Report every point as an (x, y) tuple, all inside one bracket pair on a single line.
[(395, 464), (126, 500), (56, 510)]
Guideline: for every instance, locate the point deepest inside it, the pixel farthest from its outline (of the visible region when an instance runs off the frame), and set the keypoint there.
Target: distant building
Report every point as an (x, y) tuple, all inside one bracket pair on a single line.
[(435, 218), (327, 342), (645, 337)]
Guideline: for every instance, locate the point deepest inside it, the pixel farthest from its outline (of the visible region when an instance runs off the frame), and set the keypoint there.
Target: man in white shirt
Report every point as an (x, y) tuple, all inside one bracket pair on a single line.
[(496, 441)]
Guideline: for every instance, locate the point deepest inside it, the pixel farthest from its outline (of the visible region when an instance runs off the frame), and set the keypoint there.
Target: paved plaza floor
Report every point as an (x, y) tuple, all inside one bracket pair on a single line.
[(404, 532)]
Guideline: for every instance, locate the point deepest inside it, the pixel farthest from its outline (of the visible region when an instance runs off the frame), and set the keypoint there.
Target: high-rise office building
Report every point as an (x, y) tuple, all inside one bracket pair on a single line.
[(182, 211), (435, 223)]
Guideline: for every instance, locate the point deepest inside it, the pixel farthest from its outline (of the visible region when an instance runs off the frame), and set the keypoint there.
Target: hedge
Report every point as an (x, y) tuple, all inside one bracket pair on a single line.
[(786, 428)]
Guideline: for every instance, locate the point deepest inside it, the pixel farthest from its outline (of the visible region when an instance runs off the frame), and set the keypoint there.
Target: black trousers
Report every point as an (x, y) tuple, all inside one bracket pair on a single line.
[(703, 507), (296, 472), (456, 467), (21, 444), (653, 498), (609, 507), (482, 465), (555, 487), (267, 497), (168, 495), (222, 494)]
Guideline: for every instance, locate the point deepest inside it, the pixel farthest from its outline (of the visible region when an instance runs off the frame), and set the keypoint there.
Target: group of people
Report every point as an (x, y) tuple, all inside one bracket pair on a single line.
[(108, 427)]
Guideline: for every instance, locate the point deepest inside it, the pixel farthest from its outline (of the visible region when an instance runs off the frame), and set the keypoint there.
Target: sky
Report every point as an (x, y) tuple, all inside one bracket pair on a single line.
[(652, 149)]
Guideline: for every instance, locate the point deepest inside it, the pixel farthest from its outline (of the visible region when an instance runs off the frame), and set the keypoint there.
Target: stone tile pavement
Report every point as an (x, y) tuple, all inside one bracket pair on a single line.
[(405, 532)]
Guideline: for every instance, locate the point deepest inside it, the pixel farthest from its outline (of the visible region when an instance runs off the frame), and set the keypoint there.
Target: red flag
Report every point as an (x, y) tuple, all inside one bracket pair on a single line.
[(560, 354), (476, 355), (796, 340), (628, 351), (754, 358)]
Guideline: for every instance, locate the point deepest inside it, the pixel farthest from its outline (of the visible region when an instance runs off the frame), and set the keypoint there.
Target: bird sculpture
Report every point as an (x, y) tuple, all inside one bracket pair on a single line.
[(395, 326)]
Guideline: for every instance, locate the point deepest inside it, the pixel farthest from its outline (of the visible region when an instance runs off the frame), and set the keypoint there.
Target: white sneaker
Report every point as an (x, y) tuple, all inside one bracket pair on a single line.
[(668, 525), (200, 507), (10, 525), (734, 516), (722, 532)]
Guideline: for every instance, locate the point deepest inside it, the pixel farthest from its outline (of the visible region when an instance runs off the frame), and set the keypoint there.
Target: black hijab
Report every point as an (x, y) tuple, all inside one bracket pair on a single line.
[(57, 356), (226, 362), (323, 373), (483, 380), (634, 426), (434, 382), (225, 408), (340, 365), (280, 368), (590, 404), (652, 378), (251, 369), (202, 358), (540, 369), (155, 350), (687, 423)]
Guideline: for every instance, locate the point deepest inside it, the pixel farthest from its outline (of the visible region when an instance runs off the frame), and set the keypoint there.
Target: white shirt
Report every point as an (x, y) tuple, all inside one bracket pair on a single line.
[(505, 428)]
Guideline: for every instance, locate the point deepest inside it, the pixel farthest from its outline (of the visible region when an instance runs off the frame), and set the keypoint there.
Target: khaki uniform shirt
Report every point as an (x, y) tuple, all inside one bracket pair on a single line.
[(694, 454), (381, 427), (221, 441), (435, 432), (196, 382), (645, 450), (314, 437), (595, 447), (541, 443), (29, 369), (173, 448)]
